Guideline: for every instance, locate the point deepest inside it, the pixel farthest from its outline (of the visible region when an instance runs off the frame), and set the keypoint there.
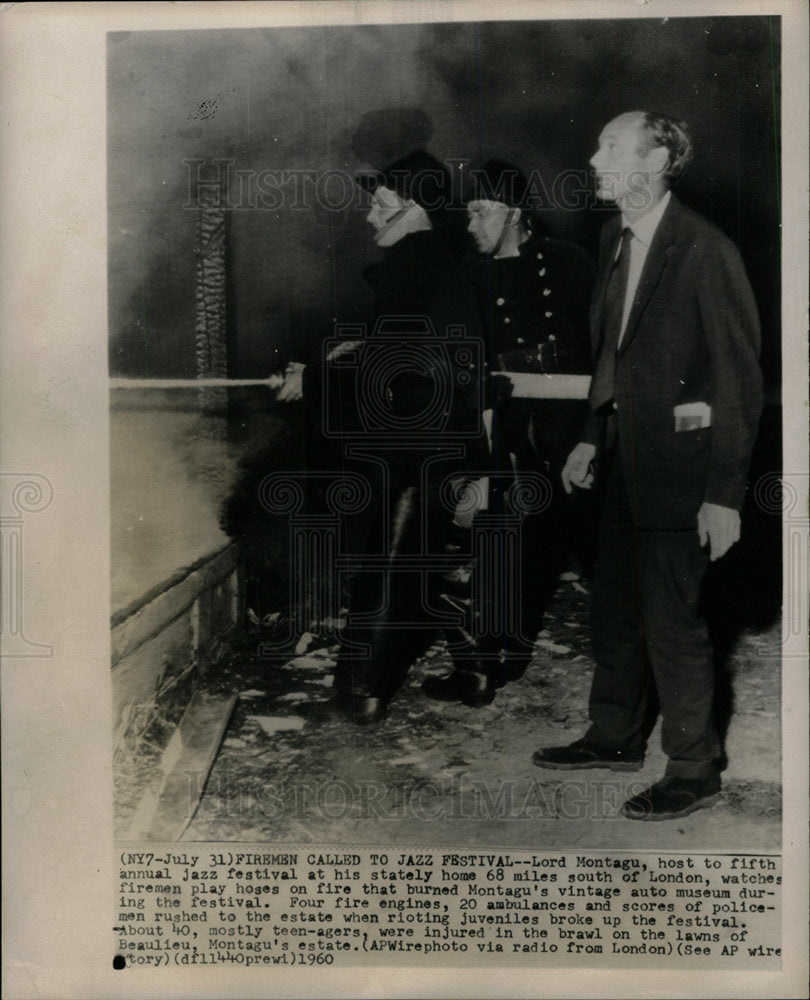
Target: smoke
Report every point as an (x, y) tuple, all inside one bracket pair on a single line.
[(320, 99)]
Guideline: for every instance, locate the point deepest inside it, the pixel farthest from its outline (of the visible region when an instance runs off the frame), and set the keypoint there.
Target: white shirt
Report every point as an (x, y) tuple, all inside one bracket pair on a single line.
[(643, 230)]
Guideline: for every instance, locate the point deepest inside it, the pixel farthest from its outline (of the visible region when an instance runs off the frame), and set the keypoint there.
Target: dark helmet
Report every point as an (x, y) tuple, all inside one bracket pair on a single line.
[(418, 176)]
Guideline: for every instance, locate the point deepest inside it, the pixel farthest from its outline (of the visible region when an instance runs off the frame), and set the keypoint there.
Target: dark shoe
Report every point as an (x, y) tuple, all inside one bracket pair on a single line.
[(582, 754), (469, 687), (363, 711), (672, 798)]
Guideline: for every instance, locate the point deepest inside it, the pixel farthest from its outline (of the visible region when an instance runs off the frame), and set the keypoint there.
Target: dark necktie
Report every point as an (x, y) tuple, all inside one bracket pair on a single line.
[(601, 391)]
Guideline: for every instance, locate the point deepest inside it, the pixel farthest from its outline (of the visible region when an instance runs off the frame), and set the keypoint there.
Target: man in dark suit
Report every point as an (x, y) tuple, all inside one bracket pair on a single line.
[(674, 405)]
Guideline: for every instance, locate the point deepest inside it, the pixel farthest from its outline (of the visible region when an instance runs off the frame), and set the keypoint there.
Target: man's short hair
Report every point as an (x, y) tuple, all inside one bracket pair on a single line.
[(663, 130)]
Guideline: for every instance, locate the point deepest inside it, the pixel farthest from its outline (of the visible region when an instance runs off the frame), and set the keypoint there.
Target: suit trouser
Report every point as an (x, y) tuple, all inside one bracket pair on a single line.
[(646, 618)]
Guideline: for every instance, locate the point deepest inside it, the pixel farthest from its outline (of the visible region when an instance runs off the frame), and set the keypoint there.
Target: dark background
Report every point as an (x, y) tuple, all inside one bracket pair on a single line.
[(292, 99), (335, 98)]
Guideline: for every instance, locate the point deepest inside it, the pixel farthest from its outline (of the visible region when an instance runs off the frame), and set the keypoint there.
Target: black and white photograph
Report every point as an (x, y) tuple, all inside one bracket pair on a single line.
[(375, 541), (448, 434)]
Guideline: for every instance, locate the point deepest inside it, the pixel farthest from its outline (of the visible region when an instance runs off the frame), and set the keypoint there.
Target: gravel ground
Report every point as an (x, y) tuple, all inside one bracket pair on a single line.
[(291, 769)]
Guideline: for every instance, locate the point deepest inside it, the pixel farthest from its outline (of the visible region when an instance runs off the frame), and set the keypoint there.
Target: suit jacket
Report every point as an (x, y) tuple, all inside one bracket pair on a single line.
[(692, 336)]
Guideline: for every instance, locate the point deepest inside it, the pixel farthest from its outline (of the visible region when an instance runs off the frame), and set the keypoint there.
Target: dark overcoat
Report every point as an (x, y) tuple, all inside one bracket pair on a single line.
[(534, 309)]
